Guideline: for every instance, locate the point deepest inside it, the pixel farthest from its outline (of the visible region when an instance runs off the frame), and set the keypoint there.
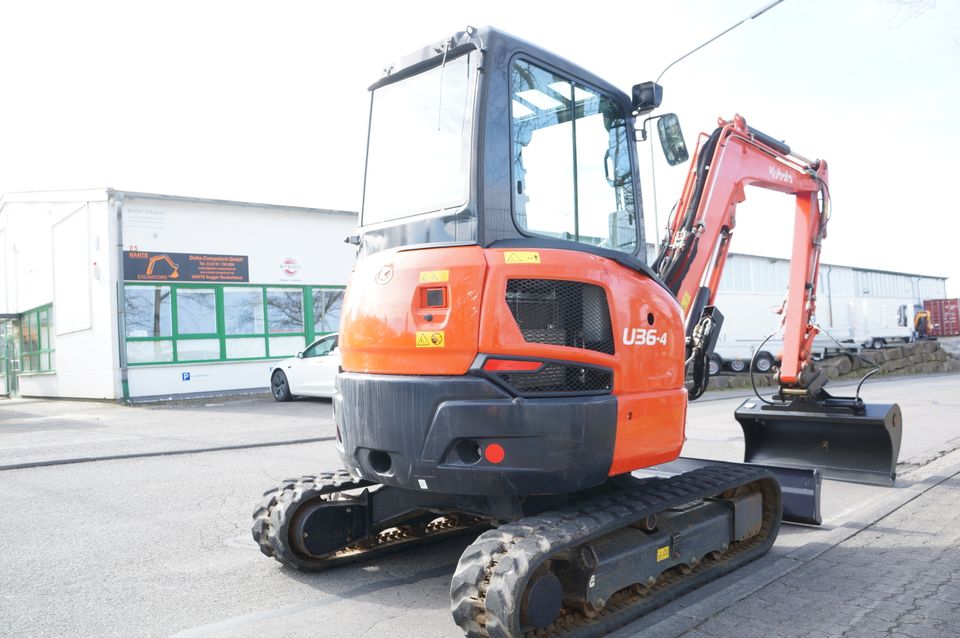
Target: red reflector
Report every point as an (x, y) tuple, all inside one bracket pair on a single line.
[(494, 452), (511, 365)]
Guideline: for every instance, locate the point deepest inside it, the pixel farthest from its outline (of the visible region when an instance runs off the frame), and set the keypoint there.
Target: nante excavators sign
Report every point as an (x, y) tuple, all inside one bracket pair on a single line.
[(140, 265)]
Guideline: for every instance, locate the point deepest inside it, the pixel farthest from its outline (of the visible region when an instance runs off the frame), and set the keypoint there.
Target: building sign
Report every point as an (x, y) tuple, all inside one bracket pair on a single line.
[(139, 265), (290, 269)]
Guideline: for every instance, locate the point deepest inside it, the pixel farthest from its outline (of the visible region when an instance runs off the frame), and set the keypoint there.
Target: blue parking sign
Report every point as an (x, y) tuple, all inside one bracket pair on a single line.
[(185, 376)]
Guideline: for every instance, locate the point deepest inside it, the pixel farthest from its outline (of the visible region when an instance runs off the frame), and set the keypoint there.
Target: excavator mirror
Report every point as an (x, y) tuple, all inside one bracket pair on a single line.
[(671, 139)]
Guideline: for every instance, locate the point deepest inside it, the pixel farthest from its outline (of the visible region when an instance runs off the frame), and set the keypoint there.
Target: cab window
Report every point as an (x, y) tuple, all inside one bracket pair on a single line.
[(572, 177)]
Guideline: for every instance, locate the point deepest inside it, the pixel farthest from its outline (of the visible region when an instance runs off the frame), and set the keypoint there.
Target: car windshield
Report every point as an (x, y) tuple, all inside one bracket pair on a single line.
[(418, 151)]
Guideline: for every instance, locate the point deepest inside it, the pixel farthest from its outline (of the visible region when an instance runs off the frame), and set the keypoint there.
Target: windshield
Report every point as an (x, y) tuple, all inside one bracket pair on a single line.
[(418, 152)]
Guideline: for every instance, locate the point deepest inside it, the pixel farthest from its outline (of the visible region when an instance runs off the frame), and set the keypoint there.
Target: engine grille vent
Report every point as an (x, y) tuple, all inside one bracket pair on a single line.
[(561, 313), (556, 378)]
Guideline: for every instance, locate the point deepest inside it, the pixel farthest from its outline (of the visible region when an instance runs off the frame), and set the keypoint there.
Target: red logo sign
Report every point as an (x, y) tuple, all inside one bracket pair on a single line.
[(290, 267)]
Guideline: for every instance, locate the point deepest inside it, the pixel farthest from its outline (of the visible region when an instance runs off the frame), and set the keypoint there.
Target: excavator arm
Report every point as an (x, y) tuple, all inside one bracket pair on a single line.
[(695, 249), (802, 425)]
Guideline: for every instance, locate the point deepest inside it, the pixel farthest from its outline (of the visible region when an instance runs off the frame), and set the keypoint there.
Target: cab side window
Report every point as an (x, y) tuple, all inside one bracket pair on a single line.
[(572, 177)]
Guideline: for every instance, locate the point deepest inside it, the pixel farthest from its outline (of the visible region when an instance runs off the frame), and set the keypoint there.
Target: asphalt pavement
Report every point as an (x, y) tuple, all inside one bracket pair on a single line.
[(124, 521)]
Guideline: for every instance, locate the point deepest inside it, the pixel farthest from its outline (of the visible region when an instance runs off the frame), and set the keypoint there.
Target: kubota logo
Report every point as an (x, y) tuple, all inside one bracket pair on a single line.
[(384, 275), (780, 174)]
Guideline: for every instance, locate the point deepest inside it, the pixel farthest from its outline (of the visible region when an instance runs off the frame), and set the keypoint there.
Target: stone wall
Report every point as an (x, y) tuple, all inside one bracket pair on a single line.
[(921, 357)]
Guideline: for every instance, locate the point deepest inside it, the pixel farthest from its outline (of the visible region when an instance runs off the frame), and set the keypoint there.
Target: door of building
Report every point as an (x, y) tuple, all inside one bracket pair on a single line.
[(9, 358)]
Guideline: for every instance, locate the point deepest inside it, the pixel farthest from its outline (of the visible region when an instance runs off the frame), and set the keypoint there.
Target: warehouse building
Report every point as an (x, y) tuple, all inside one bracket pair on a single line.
[(120, 295), (855, 306), (110, 294)]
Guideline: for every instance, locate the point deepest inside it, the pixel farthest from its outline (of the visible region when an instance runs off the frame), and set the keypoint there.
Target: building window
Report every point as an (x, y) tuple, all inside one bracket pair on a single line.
[(37, 353), (147, 310), (196, 311), (243, 311), (177, 323), (285, 310), (326, 310)]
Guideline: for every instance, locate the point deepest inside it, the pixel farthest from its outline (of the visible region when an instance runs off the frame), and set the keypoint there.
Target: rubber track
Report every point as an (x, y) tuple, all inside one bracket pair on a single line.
[(493, 572), (273, 518)]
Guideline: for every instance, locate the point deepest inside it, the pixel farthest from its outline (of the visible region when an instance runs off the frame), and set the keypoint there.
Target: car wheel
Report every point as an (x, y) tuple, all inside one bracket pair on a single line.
[(279, 386), (738, 365), (763, 362), (877, 343), (715, 365)]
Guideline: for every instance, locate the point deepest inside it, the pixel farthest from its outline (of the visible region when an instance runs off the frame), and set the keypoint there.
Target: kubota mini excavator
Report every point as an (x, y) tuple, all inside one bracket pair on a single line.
[(509, 357)]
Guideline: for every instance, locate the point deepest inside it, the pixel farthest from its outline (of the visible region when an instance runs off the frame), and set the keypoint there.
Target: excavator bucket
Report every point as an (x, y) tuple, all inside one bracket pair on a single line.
[(844, 437)]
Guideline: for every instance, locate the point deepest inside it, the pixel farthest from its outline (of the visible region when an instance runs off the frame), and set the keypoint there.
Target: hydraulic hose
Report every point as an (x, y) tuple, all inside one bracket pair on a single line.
[(753, 360), (674, 269), (856, 354)]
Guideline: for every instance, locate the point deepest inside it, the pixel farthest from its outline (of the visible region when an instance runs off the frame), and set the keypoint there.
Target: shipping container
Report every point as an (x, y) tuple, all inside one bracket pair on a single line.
[(944, 317)]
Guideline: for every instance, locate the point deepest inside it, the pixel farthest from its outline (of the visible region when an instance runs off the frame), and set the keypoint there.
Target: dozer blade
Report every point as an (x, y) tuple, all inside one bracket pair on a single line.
[(844, 437), (800, 486)]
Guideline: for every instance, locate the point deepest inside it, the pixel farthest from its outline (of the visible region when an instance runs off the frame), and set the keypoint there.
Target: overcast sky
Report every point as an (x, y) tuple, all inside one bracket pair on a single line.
[(268, 101)]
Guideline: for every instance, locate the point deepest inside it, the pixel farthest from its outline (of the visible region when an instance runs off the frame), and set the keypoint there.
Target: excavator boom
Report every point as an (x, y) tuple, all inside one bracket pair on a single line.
[(802, 425)]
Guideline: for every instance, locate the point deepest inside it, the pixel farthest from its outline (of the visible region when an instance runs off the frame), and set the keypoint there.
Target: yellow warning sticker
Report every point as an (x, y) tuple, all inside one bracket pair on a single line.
[(685, 302), (431, 339), (521, 257), (434, 276), (663, 553)]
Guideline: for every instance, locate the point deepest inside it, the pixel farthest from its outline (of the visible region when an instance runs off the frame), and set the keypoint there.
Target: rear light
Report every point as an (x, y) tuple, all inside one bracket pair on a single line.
[(511, 365), (494, 453)]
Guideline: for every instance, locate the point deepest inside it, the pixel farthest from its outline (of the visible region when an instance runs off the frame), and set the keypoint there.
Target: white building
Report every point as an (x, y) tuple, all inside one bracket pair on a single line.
[(113, 294), (856, 306)]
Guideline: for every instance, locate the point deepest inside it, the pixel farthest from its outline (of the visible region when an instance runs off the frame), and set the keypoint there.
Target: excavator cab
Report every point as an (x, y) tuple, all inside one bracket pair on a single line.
[(501, 311), (501, 251)]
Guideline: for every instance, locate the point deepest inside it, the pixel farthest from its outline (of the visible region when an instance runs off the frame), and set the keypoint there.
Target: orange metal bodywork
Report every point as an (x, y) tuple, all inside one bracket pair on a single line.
[(384, 317), (740, 160), (390, 325), (384, 310)]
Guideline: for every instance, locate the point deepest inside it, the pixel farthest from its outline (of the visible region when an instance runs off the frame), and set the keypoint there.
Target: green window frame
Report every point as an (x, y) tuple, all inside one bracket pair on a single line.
[(37, 352), (252, 322)]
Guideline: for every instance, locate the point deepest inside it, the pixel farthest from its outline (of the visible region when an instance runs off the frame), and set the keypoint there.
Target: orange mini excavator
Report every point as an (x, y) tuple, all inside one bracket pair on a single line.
[(509, 357)]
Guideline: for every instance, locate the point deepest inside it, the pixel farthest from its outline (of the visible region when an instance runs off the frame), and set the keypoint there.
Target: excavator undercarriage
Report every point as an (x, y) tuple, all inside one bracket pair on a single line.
[(604, 558)]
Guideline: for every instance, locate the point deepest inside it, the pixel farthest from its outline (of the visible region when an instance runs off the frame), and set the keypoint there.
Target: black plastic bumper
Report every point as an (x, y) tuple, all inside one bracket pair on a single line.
[(432, 433)]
